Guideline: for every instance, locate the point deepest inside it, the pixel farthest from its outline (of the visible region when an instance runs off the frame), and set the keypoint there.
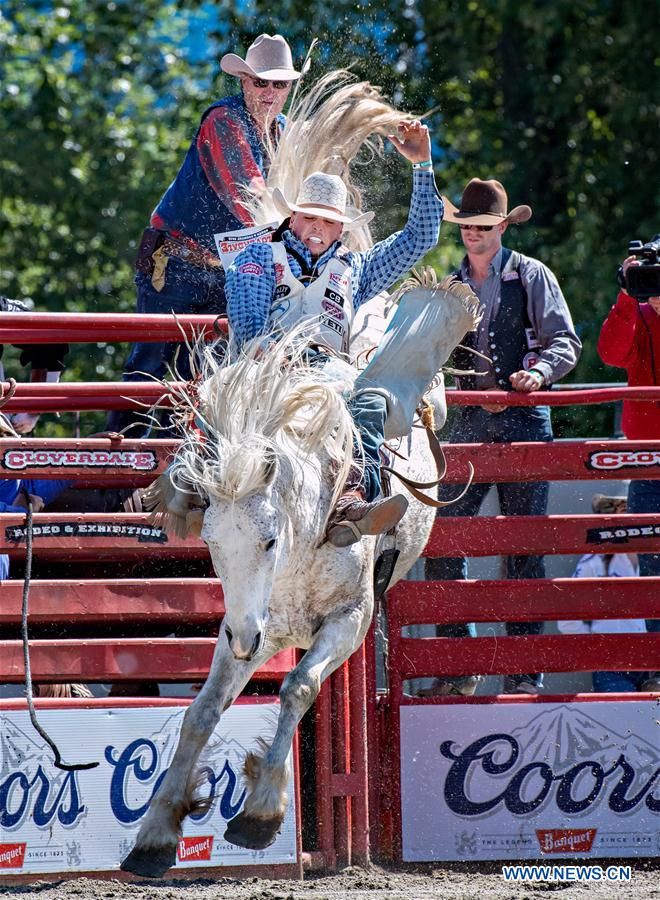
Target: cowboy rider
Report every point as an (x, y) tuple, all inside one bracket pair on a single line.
[(306, 273)]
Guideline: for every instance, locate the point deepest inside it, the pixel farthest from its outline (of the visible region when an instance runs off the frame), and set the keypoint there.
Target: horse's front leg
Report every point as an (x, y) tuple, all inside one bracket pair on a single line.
[(258, 824), (155, 846)]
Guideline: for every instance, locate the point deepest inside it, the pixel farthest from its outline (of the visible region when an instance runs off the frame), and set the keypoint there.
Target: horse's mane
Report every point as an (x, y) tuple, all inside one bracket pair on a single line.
[(327, 126), (256, 411)]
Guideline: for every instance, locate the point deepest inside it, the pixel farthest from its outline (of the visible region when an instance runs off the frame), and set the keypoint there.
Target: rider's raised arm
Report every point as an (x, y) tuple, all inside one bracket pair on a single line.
[(250, 287), (388, 260)]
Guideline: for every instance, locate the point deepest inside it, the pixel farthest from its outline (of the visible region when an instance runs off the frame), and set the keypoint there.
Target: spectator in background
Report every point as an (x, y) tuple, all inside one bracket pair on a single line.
[(14, 495), (528, 333), (178, 266), (46, 362), (609, 565), (630, 339)]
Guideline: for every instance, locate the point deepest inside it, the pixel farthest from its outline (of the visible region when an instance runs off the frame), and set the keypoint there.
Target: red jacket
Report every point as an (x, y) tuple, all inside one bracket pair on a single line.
[(630, 339)]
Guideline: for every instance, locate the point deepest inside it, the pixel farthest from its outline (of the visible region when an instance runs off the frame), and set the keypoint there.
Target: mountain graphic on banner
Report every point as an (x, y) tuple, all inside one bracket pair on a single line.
[(23, 751), (219, 747), (565, 736)]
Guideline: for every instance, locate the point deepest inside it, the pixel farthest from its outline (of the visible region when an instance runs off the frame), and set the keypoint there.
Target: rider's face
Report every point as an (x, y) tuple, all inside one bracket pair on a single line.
[(316, 233)]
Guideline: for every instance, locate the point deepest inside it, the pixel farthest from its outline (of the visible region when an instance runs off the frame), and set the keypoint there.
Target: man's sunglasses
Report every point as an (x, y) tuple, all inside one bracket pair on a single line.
[(476, 227), (261, 83)]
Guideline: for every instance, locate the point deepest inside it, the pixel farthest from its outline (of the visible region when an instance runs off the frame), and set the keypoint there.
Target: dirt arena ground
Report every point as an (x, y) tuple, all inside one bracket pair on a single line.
[(447, 882)]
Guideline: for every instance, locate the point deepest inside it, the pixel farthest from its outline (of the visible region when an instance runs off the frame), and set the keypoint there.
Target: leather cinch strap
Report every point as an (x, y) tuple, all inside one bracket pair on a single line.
[(416, 487)]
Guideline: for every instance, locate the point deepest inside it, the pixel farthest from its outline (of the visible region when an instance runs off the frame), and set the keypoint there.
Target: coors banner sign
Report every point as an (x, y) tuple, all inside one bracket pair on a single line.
[(518, 781), (55, 821)]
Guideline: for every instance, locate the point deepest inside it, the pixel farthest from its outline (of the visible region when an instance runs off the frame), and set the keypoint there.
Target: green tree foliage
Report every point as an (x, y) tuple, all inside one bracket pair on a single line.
[(98, 101), (560, 102), (93, 129)]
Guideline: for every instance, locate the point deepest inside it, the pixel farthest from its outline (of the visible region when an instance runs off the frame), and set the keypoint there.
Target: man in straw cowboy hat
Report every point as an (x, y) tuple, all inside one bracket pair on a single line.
[(528, 339), (178, 267), (306, 274)]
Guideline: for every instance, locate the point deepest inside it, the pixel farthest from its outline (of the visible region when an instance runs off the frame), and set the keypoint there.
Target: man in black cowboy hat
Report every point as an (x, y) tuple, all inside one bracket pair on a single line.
[(528, 337)]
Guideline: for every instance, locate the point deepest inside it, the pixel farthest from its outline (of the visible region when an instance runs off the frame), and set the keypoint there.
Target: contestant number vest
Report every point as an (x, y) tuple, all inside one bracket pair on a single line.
[(512, 343), (326, 301)]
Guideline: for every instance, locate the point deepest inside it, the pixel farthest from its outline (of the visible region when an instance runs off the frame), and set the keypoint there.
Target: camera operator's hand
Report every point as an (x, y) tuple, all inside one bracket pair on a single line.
[(653, 302), (630, 261)]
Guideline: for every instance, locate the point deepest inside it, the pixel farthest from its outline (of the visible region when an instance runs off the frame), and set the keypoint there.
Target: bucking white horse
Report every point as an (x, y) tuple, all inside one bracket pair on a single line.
[(266, 457)]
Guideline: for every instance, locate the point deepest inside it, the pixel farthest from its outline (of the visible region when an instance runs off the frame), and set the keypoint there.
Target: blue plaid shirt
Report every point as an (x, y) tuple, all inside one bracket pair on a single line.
[(250, 295)]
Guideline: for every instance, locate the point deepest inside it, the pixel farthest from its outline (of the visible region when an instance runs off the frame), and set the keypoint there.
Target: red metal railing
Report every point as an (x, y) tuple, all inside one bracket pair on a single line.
[(456, 602), (342, 775), (79, 328), (130, 462), (45, 397)]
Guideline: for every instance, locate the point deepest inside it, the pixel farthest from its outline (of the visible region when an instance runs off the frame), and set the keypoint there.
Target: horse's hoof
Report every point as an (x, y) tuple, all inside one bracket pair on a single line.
[(150, 862), (252, 833)]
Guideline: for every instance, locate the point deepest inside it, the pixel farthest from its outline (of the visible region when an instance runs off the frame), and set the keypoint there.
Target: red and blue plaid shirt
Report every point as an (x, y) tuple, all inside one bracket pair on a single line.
[(225, 156)]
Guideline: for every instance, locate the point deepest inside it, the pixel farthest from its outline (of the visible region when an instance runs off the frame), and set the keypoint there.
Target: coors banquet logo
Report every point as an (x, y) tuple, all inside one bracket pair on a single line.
[(608, 460), (12, 856), (194, 848), (565, 840)]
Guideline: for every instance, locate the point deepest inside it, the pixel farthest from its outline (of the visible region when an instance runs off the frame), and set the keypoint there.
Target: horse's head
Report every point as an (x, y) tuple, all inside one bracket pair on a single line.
[(249, 543), (268, 455)]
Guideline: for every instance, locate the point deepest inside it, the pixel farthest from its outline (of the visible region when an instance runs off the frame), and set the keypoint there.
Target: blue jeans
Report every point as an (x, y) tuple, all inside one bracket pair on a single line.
[(644, 497), (617, 682), (46, 488), (474, 425), (187, 290), (369, 411)]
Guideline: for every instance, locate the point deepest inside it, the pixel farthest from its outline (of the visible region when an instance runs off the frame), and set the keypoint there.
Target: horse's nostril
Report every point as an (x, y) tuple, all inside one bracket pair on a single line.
[(229, 633), (255, 644)]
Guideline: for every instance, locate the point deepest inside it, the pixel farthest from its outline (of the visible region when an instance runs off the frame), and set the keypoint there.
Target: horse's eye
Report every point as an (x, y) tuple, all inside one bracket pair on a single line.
[(270, 545)]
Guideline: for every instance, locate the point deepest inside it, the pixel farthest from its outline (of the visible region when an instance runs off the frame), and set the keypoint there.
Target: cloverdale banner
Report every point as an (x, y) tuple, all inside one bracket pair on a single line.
[(530, 780), (55, 821)]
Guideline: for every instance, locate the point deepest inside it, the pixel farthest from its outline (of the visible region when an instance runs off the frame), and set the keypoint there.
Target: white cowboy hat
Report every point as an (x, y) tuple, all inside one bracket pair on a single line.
[(268, 58), (321, 195)]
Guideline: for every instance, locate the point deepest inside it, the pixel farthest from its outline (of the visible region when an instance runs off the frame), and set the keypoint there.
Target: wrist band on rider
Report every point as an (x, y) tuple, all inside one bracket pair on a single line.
[(427, 164), (540, 375)]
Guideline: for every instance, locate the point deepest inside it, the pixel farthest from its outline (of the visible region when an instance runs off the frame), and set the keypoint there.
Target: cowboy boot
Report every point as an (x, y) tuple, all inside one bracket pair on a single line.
[(354, 516)]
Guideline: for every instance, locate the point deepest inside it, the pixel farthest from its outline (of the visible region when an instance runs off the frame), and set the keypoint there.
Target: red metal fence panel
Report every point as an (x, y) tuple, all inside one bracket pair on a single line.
[(124, 659), (526, 600), (422, 657), (92, 536), (76, 328), (102, 461), (150, 601), (491, 535)]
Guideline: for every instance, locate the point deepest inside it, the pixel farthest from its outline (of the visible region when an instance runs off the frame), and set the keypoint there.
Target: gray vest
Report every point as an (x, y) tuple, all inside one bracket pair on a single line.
[(512, 343)]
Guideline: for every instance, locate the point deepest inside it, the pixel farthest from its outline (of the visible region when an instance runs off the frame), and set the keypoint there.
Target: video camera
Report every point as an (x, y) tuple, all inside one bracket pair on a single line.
[(643, 281)]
